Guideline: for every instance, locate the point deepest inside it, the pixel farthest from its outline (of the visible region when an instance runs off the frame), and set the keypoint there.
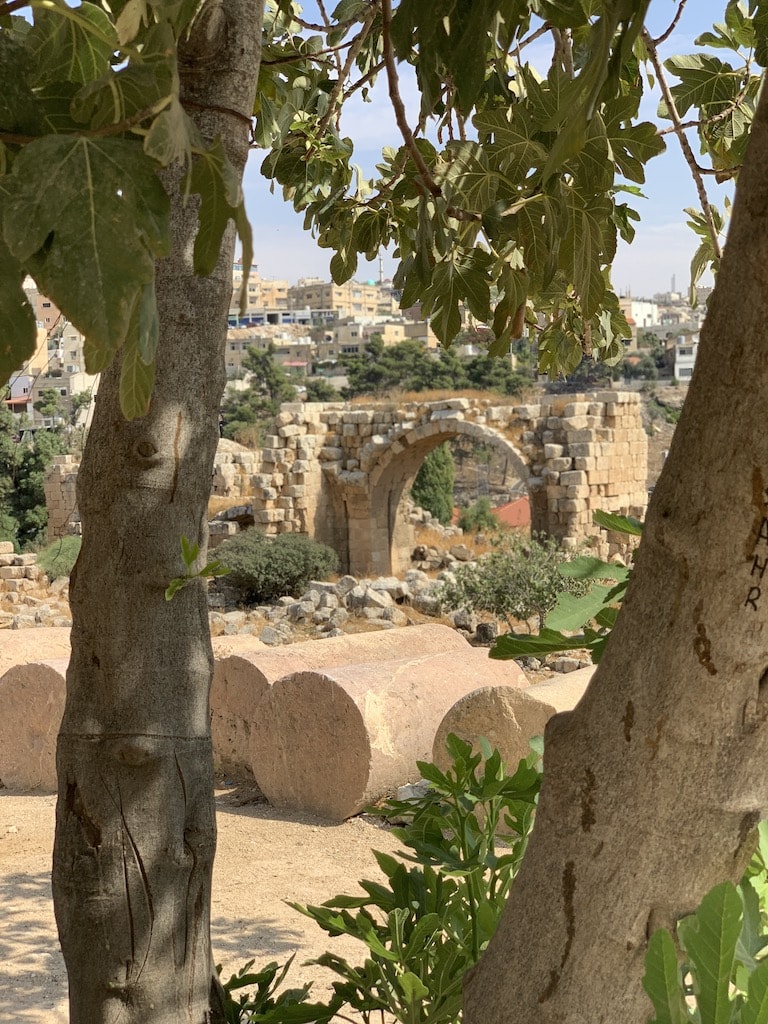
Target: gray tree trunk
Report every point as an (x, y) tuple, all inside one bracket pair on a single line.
[(654, 783), (135, 824)]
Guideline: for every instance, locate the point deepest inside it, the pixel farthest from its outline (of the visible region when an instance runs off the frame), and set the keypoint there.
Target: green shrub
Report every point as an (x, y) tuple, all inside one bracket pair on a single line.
[(428, 921), (478, 516), (264, 568), (58, 559), (433, 487), (517, 580), (714, 971)]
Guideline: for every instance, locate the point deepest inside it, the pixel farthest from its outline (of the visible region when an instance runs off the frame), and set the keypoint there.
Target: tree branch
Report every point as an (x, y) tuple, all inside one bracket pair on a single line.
[(11, 6), (428, 181), (92, 133), (563, 50), (672, 25), (536, 34), (356, 46), (289, 58), (367, 77), (685, 145)]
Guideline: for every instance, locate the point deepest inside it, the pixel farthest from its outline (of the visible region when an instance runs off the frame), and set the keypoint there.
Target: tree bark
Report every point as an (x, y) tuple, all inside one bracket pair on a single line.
[(652, 785), (135, 824)]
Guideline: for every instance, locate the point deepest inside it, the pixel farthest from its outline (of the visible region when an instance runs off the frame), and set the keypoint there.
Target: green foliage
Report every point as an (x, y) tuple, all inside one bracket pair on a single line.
[(579, 619), (321, 390), (641, 369), (409, 366), (58, 559), (723, 976), (406, 366), (257, 406), (528, 210), (263, 568), (189, 555), (478, 516), (424, 926), (49, 403), (433, 487), (261, 1000), (89, 112), (80, 400), (428, 923), (518, 579), (23, 465), (508, 202)]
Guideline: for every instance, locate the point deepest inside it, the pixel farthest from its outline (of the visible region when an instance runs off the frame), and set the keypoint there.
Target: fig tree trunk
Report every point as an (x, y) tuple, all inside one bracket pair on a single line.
[(654, 782), (135, 825)]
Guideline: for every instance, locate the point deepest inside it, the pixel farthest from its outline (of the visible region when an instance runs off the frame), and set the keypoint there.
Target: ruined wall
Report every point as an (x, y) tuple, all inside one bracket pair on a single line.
[(339, 472)]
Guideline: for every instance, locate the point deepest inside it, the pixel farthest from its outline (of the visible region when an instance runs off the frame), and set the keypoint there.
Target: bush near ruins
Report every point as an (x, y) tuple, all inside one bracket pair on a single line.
[(515, 581), (58, 559), (478, 516), (264, 568)]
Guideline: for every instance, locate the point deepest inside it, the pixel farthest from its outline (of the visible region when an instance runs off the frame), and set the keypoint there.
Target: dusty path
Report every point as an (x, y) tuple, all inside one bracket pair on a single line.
[(264, 857)]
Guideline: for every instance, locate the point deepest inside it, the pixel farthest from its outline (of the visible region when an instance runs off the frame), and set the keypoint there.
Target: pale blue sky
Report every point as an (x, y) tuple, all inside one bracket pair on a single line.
[(663, 246)]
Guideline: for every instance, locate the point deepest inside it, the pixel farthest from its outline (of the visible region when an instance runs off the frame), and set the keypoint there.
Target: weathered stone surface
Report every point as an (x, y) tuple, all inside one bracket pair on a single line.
[(241, 680), (230, 745), (332, 740), (32, 702), (20, 646), (507, 717)]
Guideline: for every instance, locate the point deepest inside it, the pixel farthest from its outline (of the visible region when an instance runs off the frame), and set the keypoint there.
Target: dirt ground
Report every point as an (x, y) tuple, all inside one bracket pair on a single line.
[(264, 857)]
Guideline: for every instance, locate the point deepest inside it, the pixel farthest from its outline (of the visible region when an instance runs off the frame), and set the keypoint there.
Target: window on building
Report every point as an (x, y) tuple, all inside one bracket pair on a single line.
[(685, 371)]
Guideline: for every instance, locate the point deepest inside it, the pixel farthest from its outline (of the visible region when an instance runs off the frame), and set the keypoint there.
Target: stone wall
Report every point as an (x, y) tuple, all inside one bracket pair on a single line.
[(61, 497), (341, 472)]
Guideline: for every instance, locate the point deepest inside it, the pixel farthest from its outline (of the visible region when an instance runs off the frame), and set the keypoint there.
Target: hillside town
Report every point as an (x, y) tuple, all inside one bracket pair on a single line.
[(312, 326)]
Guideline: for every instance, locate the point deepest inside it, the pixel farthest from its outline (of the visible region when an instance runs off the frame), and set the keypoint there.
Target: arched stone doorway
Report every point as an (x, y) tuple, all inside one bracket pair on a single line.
[(393, 475)]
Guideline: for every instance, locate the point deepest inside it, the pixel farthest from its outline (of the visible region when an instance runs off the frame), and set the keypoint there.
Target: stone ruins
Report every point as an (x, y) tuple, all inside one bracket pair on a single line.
[(341, 472)]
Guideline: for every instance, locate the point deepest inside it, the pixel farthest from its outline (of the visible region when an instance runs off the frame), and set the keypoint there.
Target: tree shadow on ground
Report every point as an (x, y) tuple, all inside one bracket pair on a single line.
[(33, 983)]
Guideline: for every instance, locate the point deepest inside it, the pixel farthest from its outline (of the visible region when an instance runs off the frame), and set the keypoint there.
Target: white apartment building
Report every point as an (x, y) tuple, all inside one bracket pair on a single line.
[(686, 350)]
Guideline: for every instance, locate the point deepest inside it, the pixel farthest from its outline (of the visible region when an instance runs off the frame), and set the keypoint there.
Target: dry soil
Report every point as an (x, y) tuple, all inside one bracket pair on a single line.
[(264, 858)]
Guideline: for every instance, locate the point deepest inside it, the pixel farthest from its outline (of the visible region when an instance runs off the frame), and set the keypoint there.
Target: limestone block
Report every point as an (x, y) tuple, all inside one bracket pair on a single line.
[(32, 699), (20, 646), (11, 572), (246, 672), (331, 741), (507, 717), (575, 478), (6, 547)]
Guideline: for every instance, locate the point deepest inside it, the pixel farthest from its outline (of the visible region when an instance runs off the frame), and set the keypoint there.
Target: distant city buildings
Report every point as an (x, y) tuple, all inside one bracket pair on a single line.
[(56, 367), (313, 325)]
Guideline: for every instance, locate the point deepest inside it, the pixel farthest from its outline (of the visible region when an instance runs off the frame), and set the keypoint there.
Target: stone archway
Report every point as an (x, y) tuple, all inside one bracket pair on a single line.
[(337, 471), (391, 479)]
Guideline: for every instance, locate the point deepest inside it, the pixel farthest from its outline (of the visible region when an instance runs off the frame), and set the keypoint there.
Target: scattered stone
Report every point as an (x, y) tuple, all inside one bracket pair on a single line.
[(461, 553), (486, 633), (413, 790), (566, 664)]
